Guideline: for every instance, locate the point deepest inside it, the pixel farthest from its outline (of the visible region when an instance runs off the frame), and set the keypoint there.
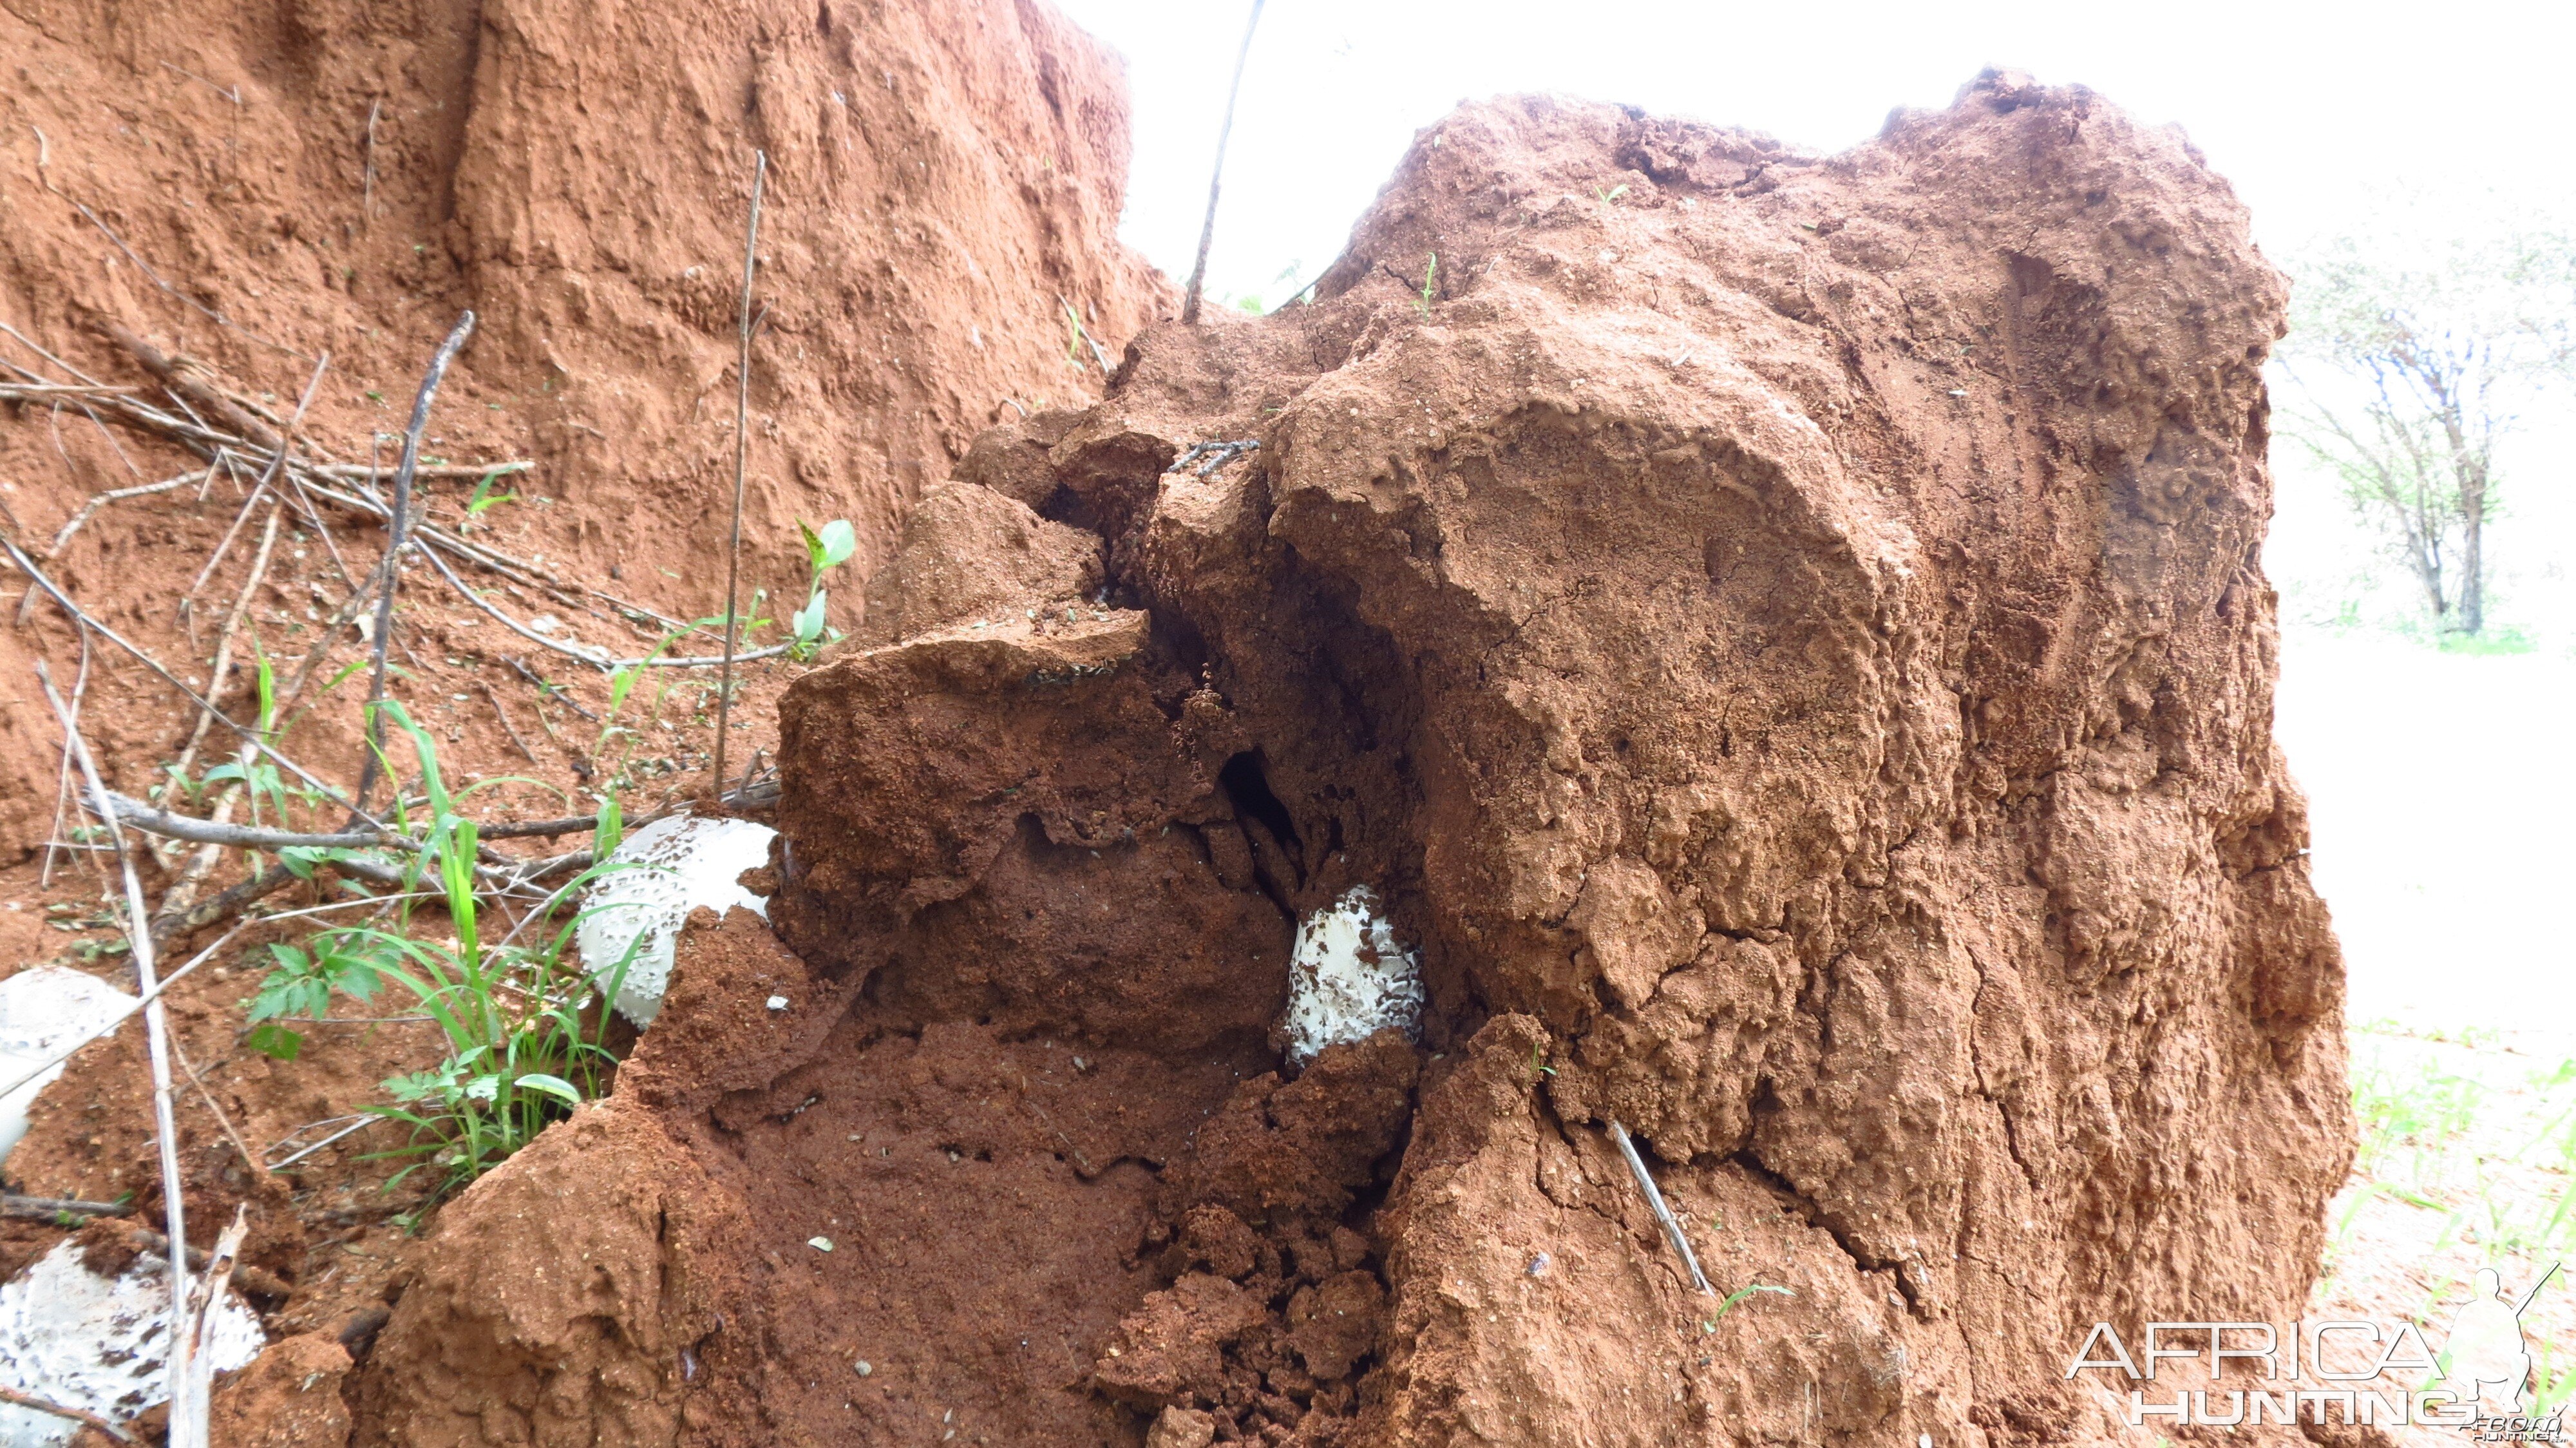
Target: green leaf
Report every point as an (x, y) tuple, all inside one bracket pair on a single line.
[(554, 1086), (808, 621), (484, 497), (830, 546), (611, 831), (276, 1041), (1738, 1295), (840, 543)]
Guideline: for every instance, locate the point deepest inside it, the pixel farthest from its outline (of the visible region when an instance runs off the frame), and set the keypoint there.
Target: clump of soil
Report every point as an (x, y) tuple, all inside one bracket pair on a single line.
[(1784, 639)]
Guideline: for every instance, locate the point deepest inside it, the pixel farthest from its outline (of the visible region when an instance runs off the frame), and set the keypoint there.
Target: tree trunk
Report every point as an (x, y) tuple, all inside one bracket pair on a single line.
[(2473, 568), (2426, 556)]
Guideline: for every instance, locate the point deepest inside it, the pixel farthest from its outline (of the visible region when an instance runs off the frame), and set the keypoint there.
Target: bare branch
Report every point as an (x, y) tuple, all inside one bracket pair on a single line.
[(185, 1406)]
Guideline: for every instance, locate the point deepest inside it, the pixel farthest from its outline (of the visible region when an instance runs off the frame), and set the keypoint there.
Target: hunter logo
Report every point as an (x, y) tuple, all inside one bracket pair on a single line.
[(2475, 1383)]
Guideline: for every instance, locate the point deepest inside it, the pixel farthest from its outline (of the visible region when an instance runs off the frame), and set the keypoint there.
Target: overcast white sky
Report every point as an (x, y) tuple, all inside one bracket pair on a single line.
[(2304, 106)]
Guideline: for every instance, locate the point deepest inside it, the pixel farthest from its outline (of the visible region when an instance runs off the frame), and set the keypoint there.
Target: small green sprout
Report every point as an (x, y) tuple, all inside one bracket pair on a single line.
[(828, 547)]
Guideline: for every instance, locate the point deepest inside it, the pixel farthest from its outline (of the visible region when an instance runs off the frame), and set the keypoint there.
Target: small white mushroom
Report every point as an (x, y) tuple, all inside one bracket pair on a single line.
[(1349, 978), (676, 865), (99, 1343)]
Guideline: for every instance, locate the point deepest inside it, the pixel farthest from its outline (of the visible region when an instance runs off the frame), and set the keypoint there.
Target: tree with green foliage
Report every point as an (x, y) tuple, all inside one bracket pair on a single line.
[(2409, 363)]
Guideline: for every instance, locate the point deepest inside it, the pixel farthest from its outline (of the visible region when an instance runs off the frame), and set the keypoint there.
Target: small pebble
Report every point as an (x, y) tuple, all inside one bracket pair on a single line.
[(866, 1368), (819, 1244), (778, 1003), (1538, 1265)]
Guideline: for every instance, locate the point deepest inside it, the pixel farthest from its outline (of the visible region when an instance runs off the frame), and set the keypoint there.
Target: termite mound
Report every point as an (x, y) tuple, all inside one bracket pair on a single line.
[(1784, 638)]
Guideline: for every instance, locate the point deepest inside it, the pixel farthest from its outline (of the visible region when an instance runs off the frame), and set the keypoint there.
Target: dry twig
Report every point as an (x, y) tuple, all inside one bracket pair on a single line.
[(191, 1428), (1663, 1214), (63, 773), (118, 495), (367, 193), (185, 1406), (46, 1209), (84, 619), (223, 1119), (59, 1410), (66, 1051), (391, 569), (741, 461), (1216, 176), (507, 727)]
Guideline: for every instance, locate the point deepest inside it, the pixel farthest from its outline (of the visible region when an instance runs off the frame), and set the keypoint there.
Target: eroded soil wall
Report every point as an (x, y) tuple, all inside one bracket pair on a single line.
[(249, 188)]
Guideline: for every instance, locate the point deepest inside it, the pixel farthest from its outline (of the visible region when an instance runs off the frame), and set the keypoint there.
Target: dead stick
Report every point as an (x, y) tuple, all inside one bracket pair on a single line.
[(367, 195), (82, 617), (477, 471), (228, 903), (190, 1424), (222, 667), (2535, 1289), (63, 774), (31, 345), (224, 834), (741, 462), (118, 495), (1663, 1214), (345, 615), (547, 687), (76, 1415), (69, 1049), (152, 820), (267, 485), (398, 521), (597, 658), (15, 390), (156, 1036), (215, 560), (507, 727), (178, 380), (174, 901), (249, 1158), (252, 1279), (313, 516), (1216, 177), (219, 672), (45, 1209)]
